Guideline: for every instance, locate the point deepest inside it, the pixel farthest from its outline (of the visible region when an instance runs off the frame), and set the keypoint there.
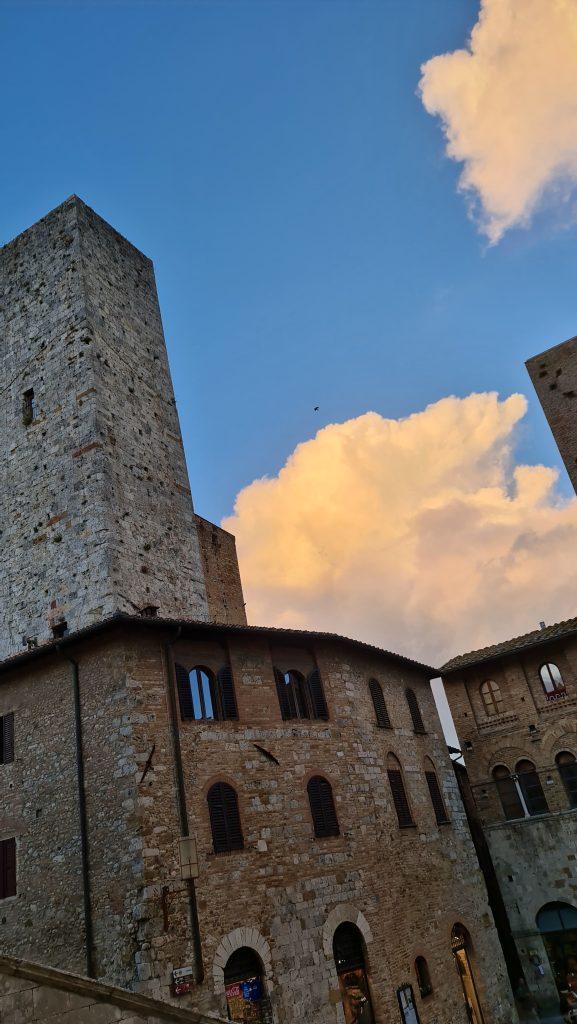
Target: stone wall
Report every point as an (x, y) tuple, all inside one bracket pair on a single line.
[(221, 573), (285, 892), (554, 377)]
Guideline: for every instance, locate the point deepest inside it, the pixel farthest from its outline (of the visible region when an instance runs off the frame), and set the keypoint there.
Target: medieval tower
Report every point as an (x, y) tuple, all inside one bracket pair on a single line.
[(95, 508)]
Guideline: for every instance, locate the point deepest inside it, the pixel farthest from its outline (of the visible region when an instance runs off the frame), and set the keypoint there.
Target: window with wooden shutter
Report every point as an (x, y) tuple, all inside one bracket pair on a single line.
[(381, 713), (437, 801), (415, 711), (7, 738), (198, 694), (323, 810), (567, 766), (290, 687), (227, 696), (7, 868), (317, 696), (184, 692), (531, 788), (509, 793), (398, 792), (224, 818)]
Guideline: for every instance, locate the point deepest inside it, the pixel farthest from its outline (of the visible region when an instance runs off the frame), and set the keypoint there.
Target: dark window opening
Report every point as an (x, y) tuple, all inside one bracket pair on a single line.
[(60, 629), (399, 794), (299, 697), (224, 818), (204, 696), (531, 788), (349, 957), (567, 766), (28, 407), (7, 738), (381, 713), (323, 809), (423, 976), (7, 868), (508, 793), (437, 801), (418, 725)]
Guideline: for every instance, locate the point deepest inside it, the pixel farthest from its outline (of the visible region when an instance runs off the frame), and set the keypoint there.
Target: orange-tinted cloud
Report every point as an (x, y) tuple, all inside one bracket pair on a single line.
[(507, 103), (421, 535)]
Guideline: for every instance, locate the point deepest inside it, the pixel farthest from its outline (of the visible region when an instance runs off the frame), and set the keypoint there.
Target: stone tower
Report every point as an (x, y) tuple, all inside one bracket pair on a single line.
[(554, 376), (95, 507)]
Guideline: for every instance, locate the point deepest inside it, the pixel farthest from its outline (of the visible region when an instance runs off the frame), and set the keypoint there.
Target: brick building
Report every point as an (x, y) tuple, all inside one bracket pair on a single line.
[(271, 814)]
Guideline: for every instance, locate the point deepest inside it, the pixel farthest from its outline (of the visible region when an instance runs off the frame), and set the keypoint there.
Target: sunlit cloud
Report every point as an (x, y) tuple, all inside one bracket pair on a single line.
[(421, 535), (508, 106)]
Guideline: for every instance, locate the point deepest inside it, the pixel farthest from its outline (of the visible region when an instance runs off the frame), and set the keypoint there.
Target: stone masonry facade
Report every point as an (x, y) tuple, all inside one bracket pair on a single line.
[(554, 377)]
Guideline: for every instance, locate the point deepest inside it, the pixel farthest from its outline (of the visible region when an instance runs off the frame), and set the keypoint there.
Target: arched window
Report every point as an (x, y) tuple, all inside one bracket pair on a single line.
[(299, 697), (244, 986), (323, 811), (381, 713), (349, 954), (567, 765), (224, 818), (397, 784), (462, 951), (202, 695), (492, 698), (437, 801), (531, 788), (508, 793), (415, 710), (552, 680), (423, 976)]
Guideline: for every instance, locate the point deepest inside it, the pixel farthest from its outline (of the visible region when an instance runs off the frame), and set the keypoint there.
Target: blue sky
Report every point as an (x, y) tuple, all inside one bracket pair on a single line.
[(274, 160)]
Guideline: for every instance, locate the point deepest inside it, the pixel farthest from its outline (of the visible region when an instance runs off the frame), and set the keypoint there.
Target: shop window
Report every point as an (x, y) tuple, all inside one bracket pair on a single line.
[(7, 868), (557, 923), (416, 717), (224, 818), (509, 793), (531, 788), (381, 713), (323, 811), (244, 983), (399, 794), (349, 956), (552, 680), (7, 738), (492, 697), (567, 766), (204, 696), (299, 697), (423, 976), (437, 801)]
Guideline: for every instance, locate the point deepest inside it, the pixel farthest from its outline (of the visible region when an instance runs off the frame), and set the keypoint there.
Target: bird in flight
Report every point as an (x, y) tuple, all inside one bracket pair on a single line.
[(316, 409)]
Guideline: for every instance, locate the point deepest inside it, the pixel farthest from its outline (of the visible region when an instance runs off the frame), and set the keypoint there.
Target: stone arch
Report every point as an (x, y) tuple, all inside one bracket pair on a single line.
[(345, 912), (558, 738), (509, 756), (239, 937)]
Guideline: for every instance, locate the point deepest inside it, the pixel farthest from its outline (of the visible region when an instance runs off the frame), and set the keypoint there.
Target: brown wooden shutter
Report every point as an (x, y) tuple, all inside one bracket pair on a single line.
[(415, 710), (184, 692), (323, 809), (226, 693), (283, 695), (8, 738), (400, 798), (224, 818), (7, 868), (437, 798), (318, 702), (381, 713)]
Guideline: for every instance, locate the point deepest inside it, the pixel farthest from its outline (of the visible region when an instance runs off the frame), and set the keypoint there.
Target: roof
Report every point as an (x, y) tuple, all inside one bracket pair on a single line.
[(537, 638), (195, 627)]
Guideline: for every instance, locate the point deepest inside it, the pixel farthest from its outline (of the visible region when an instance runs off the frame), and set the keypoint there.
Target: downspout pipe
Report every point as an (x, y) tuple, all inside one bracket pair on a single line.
[(181, 801)]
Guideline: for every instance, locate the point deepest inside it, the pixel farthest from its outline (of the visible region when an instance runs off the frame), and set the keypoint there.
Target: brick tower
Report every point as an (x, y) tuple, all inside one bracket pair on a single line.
[(554, 376), (95, 507)]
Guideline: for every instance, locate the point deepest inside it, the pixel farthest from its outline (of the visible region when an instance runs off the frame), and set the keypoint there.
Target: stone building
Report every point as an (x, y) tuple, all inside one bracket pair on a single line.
[(554, 377), (252, 822)]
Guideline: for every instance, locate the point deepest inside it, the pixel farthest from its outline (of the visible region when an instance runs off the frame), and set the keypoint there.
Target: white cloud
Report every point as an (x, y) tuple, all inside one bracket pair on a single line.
[(508, 103), (421, 535)]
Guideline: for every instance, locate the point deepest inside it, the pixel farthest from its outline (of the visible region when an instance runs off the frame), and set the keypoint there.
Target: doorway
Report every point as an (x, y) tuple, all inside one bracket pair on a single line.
[(461, 946), (246, 999), (557, 923), (349, 954)]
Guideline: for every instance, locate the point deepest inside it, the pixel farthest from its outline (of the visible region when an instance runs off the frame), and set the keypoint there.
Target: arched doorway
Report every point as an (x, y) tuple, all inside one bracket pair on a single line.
[(557, 923), (349, 954), (246, 998), (461, 945)]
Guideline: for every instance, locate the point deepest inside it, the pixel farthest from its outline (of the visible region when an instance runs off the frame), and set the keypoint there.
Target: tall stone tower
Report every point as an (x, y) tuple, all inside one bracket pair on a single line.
[(554, 376), (95, 507)]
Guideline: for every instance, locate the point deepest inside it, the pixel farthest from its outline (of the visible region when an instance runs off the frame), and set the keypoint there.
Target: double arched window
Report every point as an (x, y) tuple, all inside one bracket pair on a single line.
[(299, 697), (399, 793), (381, 713), (415, 711), (552, 680), (567, 766), (224, 818), (521, 794), (441, 816), (492, 697), (203, 695), (323, 810)]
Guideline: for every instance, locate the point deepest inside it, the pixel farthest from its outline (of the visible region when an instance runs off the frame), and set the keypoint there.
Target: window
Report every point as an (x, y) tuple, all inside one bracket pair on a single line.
[(437, 801), (203, 696), (508, 793), (552, 680), (7, 868), (349, 956), (415, 710), (492, 698), (299, 697), (381, 713), (244, 986), (28, 407), (407, 1005), (224, 818), (567, 766), (7, 738), (397, 784), (323, 809), (423, 976), (531, 788)]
